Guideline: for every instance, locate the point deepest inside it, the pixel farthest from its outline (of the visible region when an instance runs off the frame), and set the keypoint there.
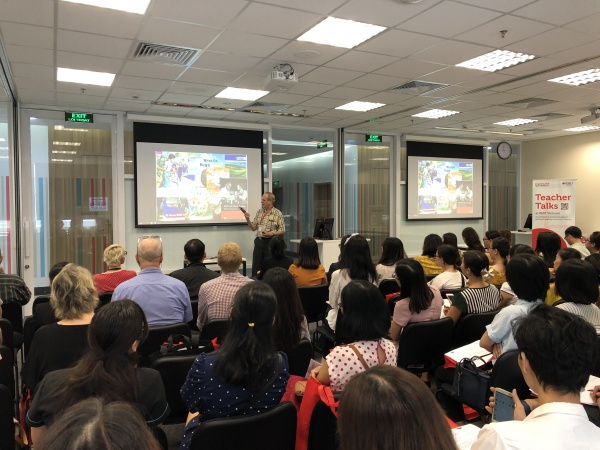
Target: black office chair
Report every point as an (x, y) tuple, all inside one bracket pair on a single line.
[(13, 312), (471, 327), (423, 344), (7, 333), (444, 292), (7, 426), (104, 299), (173, 371), (299, 357), (314, 300), (596, 371), (430, 277), (274, 429), (390, 286), (507, 374), (158, 335), (323, 427), (215, 328), (193, 323)]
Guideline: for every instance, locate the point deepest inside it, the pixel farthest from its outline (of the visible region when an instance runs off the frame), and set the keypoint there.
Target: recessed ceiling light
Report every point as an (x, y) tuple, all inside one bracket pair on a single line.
[(2, 140), (241, 94), (62, 128), (436, 113), (579, 78), (278, 153), (360, 106), (61, 160), (468, 130), (503, 132), (74, 144), (379, 159), (132, 6), (65, 152), (515, 122), (496, 60), (584, 128), (341, 32), (84, 76)]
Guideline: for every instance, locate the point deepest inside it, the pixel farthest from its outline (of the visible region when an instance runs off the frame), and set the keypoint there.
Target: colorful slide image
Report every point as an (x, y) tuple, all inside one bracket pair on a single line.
[(445, 187)]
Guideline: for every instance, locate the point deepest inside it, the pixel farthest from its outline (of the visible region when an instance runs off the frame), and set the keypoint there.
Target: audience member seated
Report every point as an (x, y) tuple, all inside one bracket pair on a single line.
[(479, 296), (12, 287), (216, 296), (446, 257), (573, 237), (59, 345), (392, 251), (508, 296), (418, 302), (277, 248), (450, 239), (194, 273), (356, 264), (427, 258), (529, 279), (107, 370), (246, 375), (557, 353), (563, 254), (43, 313), (92, 424), (389, 408), (498, 252), (507, 234), (114, 258), (471, 239), (547, 246), (488, 237), (290, 324), (164, 299), (364, 327), (307, 270), (336, 265), (593, 246), (577, 285)]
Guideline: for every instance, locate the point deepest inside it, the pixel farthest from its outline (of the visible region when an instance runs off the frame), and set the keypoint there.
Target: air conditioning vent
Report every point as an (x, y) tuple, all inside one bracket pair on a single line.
[(267, 107), (165, 53), (418, 87), (531, 102), (550, 116)]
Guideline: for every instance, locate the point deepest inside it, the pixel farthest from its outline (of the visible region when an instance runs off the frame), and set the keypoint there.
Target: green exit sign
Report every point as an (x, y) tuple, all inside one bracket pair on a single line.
[(79, 117), (374, 138), (322, 144)]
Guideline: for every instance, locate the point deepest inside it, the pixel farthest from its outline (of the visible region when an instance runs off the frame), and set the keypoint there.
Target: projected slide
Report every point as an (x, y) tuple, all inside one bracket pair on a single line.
[(445, 187), (184, 184)]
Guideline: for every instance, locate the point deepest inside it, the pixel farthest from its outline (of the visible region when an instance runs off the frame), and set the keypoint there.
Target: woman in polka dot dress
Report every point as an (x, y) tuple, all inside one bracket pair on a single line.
[(364, 326), (246, 375)]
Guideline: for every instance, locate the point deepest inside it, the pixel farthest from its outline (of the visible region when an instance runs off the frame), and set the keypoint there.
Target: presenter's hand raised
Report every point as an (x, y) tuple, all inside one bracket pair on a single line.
[(247, 215)]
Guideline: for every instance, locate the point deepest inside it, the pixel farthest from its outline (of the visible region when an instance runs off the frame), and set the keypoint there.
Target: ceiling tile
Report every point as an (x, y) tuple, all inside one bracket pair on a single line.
[(75, 88), (216, 13), (225, 62), (323, 102), (76, 42), (316, 6), (148, 84), (551, 41), (90, 19), (203, 90), (247, 44), (27, 35), (35, 97), (376, 82), (452, 75), (451, 52), (227, 102), (168, 110), (116, 105), (79, 100), (380, 12), (559, 13), (157, 70), (182, 98), (209, 77), (306, 88), (34, 84), (398, 43), (208, 114), (355, 60), (504, 5), (168, 32), (30, 55), (134, 94), (307, 53), (328, 75), (410, 68), (248, 81), (35, 71), (284, 98), (588, 24), (88, 62), (347, 93), (42, 14)]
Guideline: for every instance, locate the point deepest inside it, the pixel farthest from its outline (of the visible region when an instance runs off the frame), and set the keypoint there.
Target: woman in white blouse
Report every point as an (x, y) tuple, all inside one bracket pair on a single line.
[(446, 257)]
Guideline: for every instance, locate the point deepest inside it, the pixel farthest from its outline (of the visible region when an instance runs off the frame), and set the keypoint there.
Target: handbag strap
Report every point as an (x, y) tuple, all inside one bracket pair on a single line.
[(362, 360), (261, 392)]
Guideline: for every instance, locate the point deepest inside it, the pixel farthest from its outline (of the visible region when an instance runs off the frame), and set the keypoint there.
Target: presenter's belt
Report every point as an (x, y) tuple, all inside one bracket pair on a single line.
[(264, 238)]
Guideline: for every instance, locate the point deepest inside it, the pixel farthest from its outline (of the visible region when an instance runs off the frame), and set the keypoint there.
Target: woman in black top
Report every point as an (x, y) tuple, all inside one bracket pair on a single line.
[(277, 248)]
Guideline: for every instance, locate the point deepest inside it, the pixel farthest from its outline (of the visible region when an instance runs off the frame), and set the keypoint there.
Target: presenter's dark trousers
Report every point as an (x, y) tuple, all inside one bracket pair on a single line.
[(261, 251)]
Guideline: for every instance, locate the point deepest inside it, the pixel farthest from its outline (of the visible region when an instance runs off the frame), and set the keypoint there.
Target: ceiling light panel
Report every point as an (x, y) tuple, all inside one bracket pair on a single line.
[(62, 128), (64, 152), (74, 144), (579, 78), (241, 94), (341, 32), (584, 128), (515, 122), (360, 106), (436, 113), (84, 77), (496, 60), (132, 6)]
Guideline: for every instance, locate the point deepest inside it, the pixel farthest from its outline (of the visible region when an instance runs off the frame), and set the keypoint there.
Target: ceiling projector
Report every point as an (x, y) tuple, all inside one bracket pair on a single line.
[(281, 80), (593, 117)]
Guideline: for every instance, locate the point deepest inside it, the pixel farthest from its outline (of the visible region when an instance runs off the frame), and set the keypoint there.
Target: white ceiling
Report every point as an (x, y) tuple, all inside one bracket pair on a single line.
[(241, 41)]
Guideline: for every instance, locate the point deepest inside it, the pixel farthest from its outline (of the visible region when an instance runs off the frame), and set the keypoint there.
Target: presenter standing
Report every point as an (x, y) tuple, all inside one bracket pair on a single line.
[(268, 222)]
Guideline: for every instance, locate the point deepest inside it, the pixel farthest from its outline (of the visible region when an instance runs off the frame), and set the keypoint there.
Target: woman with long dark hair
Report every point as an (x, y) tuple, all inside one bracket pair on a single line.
[(418, 302), (427, 258), (356, 264), (246, 375), (307, 270), (277, 248), (547, 246), (446, 257), (107, 370), (471, 239), (290, 323), (392, 251), (498, 256)]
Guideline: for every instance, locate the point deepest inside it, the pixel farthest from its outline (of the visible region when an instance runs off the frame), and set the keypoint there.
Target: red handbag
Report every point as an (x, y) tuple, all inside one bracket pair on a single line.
[(314, 392)]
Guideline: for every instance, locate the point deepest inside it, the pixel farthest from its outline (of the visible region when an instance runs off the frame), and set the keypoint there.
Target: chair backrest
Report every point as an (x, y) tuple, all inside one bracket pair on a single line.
[(7, 374), (7, 333), (7, 426), (387, 287), (158, 335), (173, 371), (299, 357), (314, 300), (43, 312), (449, 291), (13, 312), (322, 429), (507, 374), (274, 429), (424, 343), (471, 327), (596, 371), (104, 299), (193, 324), (429, 277), (215, 328)]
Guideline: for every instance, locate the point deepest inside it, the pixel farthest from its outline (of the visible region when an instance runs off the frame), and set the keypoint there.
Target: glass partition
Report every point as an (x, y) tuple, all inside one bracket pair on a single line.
[(6, 238)]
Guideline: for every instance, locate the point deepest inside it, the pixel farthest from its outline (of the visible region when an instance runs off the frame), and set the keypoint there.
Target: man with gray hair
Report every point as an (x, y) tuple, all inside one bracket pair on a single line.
[(165, 300)]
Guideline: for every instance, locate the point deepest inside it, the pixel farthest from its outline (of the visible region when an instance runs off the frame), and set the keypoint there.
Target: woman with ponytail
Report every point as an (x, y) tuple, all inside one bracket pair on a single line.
[(246, 375), (107, 371)]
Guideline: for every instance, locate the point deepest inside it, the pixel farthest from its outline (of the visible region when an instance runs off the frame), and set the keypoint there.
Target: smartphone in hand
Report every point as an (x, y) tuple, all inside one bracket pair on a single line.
[(504, 406), (242, 209)]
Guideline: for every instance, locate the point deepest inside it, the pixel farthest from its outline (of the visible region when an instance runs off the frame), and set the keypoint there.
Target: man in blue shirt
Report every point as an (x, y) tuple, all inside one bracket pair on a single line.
[(164, 299)]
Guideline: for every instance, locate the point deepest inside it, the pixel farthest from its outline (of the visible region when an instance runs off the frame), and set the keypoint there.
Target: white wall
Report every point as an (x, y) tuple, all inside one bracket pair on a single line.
[(576, 156)]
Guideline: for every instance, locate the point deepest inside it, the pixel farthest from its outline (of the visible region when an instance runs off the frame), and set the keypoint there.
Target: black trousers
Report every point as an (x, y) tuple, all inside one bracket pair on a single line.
[(261, 251)]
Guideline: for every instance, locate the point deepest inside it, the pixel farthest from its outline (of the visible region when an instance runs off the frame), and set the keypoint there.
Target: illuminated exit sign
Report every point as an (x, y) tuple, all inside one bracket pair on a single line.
[(374, 138), (79, 117)]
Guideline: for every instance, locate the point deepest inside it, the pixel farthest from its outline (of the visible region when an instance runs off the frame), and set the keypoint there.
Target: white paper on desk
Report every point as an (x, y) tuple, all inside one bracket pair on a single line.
[(468, 351), (585, 397), (465, 436)]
